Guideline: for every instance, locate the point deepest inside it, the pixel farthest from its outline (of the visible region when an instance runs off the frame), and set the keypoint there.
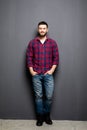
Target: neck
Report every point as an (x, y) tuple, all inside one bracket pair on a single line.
[(43, 38)]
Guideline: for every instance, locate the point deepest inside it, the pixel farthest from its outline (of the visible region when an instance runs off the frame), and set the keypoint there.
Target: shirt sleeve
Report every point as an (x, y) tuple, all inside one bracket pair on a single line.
[(55, 54), (29, 55)]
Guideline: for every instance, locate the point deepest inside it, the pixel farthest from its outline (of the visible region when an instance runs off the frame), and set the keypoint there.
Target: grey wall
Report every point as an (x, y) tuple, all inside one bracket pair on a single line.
[(67, 21)]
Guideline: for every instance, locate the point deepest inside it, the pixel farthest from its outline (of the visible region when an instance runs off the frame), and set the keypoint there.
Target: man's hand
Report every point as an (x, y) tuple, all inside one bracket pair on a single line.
[(51, 71), (32, 72)]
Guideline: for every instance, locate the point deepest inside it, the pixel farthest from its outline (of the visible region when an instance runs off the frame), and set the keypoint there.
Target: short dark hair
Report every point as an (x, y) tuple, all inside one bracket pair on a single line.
[(43, 23)]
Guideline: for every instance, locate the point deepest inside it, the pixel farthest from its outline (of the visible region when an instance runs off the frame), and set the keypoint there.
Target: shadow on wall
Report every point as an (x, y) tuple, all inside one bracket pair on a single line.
[(29, 77), (29, 87)]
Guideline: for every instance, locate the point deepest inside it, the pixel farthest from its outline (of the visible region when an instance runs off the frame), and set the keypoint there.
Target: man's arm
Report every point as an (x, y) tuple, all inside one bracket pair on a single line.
[(30, 59), (55, 59), (51, 71)]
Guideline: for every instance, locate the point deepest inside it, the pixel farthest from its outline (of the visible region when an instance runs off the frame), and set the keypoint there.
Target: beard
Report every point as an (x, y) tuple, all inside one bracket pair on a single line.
[(42, 35)]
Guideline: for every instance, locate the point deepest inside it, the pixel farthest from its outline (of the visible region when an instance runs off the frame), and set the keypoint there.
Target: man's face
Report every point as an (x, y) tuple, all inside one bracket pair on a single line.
[(42, 30)]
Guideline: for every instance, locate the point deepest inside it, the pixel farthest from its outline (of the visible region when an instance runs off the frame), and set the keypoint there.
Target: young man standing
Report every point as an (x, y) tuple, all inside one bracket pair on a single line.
[(42, 60)]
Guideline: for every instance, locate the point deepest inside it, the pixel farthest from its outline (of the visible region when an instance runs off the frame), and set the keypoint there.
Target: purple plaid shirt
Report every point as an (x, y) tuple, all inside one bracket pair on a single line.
[(42, 56)]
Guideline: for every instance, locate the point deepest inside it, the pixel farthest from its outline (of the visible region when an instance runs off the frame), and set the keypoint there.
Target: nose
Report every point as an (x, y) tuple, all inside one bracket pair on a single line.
[(42, 29)]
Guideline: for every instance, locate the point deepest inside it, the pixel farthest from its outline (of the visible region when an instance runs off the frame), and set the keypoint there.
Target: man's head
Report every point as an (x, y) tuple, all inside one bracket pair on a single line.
[(42, 28)]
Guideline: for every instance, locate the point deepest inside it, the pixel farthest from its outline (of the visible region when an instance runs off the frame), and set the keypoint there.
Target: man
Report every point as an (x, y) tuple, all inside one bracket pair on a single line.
[(42, 60)]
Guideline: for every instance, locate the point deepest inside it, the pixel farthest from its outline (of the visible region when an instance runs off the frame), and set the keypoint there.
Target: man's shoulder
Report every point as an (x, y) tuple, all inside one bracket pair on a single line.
[(32, 41), (52, 40)]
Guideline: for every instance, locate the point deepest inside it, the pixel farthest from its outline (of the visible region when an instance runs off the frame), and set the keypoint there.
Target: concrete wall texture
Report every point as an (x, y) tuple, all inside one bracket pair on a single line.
[(67, 21)]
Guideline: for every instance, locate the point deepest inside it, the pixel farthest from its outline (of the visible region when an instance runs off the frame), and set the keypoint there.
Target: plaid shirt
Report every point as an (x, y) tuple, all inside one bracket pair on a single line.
[(42, 56)]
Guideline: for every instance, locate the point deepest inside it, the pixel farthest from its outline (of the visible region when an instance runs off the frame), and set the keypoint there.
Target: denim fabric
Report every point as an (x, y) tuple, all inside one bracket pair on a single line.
[(40, 82)]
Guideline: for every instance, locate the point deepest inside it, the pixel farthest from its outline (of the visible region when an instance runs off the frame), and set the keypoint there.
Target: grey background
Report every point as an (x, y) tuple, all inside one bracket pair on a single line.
[(67, 21)]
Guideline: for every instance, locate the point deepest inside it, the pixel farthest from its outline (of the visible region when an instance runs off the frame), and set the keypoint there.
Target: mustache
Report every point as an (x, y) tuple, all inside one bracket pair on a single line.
[(42, 32)]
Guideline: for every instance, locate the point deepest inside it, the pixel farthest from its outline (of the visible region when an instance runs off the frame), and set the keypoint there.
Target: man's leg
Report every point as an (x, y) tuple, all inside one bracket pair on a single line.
[(49, 88), (37, 86)]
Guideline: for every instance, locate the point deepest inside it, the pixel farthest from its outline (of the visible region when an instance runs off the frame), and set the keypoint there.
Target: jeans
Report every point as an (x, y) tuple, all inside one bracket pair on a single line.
[(43, 82)]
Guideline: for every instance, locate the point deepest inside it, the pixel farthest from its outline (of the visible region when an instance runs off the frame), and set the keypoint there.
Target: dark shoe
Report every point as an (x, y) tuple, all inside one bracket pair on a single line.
[(47, 119), (39, 123), (39, 120)]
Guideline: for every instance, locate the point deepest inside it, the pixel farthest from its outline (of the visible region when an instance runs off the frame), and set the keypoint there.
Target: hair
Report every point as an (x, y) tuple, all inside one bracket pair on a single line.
[(43, 23)]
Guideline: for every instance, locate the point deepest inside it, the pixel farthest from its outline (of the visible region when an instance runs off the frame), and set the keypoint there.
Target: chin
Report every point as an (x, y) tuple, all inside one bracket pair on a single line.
[(42, 35)]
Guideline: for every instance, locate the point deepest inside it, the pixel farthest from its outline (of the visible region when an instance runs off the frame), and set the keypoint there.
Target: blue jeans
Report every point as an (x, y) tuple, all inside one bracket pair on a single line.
[(40, 82)]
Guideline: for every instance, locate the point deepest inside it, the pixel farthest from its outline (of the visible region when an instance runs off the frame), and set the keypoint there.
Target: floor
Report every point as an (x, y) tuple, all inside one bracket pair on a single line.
[(31, 125)]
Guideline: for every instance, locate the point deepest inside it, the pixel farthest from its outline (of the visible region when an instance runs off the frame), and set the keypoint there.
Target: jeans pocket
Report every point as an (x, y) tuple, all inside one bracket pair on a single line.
[(35, 75), (48, 74)]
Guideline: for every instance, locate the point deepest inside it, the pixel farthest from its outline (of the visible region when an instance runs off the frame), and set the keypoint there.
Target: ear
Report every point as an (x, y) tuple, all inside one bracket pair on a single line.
[(47, 29)]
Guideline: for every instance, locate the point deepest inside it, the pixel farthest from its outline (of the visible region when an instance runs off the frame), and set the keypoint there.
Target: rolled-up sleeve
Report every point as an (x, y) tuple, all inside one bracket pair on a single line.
[(55, 54), (29, 55)]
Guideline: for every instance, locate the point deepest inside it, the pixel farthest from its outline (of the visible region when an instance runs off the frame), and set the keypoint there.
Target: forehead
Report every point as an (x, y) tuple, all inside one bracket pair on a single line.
[(42, 26)]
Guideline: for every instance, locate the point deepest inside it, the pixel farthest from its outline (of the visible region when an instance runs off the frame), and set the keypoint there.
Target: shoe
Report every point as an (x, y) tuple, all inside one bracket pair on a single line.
[(47, 119), (39, 123), (39, 120)]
